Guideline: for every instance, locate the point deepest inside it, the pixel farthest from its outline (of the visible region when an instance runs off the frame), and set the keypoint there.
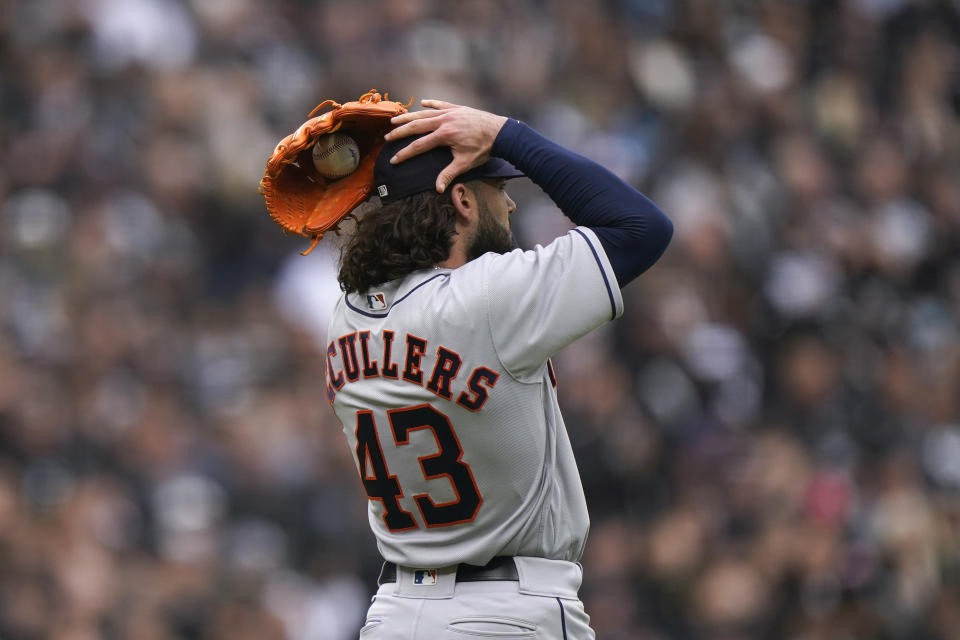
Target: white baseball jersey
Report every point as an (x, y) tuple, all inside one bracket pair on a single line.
[(447, 398)]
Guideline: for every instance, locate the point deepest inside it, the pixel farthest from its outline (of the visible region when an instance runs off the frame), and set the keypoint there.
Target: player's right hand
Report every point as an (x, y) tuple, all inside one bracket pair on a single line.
[(467, 131)]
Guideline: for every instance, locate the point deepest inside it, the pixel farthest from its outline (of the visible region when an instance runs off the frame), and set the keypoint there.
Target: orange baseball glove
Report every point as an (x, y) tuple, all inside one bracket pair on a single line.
[(301, 200)]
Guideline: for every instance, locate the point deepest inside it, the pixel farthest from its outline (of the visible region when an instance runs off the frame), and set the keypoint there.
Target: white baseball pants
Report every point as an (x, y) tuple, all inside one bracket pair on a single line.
[(430, 605)]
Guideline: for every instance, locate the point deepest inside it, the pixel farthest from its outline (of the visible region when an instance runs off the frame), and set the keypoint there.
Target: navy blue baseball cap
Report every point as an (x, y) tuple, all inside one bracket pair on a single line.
[(393, 182)]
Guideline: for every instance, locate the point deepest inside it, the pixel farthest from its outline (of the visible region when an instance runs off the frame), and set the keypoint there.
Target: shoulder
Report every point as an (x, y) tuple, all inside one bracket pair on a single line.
[(578, 244)]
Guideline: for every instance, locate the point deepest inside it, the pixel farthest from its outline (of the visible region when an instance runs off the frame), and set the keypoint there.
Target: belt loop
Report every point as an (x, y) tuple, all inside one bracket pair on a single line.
[(553, 578), (383, 574)]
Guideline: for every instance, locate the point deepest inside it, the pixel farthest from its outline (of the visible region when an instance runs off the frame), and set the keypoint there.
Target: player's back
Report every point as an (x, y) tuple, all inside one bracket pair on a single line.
[(447, 399)]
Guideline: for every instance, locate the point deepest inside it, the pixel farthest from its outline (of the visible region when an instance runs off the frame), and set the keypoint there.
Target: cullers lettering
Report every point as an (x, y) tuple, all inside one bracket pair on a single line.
[(359, 358)]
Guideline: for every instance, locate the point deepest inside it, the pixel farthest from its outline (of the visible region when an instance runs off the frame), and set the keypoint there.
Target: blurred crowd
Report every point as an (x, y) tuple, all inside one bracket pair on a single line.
[(769, 438)]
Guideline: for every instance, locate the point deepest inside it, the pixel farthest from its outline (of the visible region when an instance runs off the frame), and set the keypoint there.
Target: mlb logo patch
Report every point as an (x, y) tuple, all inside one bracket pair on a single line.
[(425, 577), (376, 301)]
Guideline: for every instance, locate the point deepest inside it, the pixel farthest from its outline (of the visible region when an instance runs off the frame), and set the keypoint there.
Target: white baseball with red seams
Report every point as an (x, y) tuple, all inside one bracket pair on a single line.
[(335, 155)]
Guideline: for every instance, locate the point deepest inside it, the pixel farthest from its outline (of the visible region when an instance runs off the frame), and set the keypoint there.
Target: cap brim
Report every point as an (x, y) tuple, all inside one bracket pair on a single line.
[(492, 169)]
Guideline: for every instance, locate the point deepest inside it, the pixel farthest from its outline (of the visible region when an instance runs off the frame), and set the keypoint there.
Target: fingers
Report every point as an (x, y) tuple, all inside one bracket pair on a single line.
[(422, 125), (468, 132), (433, 107), (438, 104), (417, 147), (417, 122), (451, 171), (410, 116)]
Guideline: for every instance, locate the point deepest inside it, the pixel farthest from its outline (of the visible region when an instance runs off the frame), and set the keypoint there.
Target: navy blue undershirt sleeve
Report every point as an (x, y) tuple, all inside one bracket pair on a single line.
[(634, 232)]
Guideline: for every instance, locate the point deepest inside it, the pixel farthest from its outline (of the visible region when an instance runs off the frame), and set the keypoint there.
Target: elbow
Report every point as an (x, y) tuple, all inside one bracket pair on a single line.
[(648, 248), (656, 236), (664, 231)]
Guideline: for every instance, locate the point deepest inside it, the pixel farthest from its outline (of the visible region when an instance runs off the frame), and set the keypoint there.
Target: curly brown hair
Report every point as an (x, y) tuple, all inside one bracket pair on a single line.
[(398, 238)]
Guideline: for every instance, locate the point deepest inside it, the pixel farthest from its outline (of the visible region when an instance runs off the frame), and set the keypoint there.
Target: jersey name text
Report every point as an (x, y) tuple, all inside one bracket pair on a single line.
[(357, 356)]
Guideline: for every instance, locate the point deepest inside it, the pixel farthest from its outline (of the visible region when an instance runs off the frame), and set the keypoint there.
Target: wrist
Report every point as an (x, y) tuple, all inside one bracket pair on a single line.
[(505, 141)]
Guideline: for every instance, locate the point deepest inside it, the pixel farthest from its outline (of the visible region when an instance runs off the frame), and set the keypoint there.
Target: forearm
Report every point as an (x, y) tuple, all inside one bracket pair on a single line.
[(633, 230)]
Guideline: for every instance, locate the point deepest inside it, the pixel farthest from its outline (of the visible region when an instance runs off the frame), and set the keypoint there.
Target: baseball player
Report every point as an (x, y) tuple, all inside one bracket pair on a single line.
[(438, 366)]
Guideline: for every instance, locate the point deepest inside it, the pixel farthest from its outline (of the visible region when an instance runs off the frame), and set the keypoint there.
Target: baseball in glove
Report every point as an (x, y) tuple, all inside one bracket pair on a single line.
[(301, 200)]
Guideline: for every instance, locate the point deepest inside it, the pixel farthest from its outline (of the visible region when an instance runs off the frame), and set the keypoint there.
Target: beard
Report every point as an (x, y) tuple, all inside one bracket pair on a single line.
[(489, 236)]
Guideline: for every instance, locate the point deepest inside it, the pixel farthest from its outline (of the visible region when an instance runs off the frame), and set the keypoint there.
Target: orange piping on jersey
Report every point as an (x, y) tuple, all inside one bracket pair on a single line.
[(370, 369), (335, 379), (481, 394), (426, 496), (389, 368), (348, 355), (413, 358), (444, 374), (363, 476)]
